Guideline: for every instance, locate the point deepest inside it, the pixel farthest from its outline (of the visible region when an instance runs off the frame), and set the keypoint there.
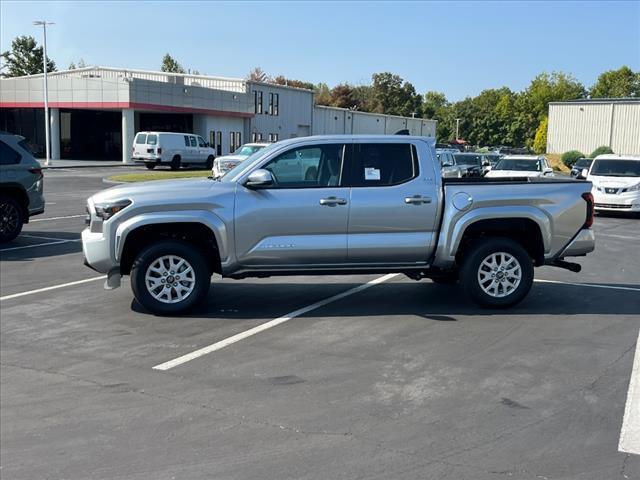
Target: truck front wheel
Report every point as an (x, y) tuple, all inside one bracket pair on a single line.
[(497, 272), (170, 277)]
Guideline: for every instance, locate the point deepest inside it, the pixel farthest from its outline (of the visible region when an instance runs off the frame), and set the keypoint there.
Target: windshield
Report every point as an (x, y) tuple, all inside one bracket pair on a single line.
[(616, 168), (523, 165), (248, 150), (583, 163), (232, 174), (468, 159)]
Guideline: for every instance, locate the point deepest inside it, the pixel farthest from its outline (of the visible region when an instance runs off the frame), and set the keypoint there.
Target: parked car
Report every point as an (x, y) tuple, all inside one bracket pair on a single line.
[(580, 165), (222, 165), (616, 182), (473, 164), (173, 149), (448, 164), (521, 166), (377, 203), (21, 185)]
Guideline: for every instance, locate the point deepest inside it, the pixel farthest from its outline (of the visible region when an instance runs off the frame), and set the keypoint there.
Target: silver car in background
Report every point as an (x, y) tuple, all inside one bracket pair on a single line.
[(222, 165)]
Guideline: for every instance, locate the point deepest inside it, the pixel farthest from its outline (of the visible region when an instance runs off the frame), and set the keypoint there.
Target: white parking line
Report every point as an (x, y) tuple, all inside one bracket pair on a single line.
[(622, 237), (54, 287), (47, 238), (591, 285), (56, 218), (270, 324), (630, 431), (38, 245)]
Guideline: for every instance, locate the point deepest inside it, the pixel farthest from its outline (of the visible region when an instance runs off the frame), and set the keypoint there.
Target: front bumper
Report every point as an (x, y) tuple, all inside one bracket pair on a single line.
[(621, 202), (96, 251)]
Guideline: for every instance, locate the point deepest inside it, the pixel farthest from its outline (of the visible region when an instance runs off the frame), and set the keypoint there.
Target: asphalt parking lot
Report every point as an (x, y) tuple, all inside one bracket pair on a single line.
[(398, 380)]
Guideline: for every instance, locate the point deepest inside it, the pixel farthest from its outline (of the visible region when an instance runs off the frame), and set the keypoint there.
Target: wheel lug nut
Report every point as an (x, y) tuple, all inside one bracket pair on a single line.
[(165, 274), (175, 284), (162, 280)]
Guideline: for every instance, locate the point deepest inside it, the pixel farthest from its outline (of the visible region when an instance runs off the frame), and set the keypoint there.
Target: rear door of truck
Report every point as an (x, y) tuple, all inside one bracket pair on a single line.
[(394, 203)]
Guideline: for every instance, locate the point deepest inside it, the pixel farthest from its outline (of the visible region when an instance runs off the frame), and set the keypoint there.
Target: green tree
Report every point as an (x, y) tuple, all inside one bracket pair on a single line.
[(25, 58), (170, 65), (322, 94), (392, 95), (540, 140), (601, 151), (282, 80), (570, 157), (623, 82)]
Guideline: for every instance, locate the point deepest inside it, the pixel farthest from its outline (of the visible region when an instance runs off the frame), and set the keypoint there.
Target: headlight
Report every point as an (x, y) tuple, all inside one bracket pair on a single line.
[(107, 210), (635, 188)]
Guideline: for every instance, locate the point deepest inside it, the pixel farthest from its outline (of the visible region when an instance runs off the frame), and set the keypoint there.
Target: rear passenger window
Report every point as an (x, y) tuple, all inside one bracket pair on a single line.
[(186, 141), (8, 156), (152, 139), (194, 143), (141, 139), (383, 164)]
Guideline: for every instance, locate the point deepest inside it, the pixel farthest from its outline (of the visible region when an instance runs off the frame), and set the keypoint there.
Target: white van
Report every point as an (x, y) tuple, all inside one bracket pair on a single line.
[(173, 149), (616, 182)]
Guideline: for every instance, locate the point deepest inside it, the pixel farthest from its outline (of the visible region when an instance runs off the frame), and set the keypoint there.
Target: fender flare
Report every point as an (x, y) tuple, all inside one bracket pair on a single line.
[(208, 219)]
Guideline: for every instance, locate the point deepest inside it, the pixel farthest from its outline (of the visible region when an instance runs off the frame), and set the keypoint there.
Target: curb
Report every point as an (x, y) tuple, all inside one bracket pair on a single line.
[(112, 182)]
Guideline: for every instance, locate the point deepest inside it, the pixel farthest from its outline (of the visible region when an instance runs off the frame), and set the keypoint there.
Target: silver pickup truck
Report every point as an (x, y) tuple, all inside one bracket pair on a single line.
[(336, 204)]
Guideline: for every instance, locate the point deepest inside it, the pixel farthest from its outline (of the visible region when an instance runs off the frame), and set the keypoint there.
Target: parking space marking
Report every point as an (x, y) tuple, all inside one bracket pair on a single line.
[(53, 287), (270, 324), (622, 237), (56, 218), (48, 238), (591, 285), (39, 245), (630, 430)]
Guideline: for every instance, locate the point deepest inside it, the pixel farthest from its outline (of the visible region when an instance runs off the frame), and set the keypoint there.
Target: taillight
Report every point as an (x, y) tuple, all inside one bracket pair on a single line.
[(36, 171), (588, 197), (159, 151)]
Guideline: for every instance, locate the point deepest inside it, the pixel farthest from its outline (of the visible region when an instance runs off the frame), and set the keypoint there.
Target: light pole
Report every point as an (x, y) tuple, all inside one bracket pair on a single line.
[(457, 129), (47, 120)]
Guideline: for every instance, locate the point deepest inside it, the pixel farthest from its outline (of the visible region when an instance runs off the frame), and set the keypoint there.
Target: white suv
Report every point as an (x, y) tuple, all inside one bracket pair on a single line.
[(223, 164)]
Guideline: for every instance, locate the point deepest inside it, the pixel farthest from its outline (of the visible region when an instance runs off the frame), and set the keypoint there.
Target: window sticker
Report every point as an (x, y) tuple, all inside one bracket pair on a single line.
[(371, 173)]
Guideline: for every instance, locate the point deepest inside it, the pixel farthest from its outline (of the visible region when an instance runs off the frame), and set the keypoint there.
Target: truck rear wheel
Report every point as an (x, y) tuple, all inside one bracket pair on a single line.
[(150, 166), (497, 272), (176, 162), (170, 277)]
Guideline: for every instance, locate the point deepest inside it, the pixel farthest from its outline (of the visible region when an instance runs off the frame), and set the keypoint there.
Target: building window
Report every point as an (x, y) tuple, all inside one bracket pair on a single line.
[(235, 141), (256, 137), (276, 100), (270, 112), (257, 101), (273, 137), (218, 143)]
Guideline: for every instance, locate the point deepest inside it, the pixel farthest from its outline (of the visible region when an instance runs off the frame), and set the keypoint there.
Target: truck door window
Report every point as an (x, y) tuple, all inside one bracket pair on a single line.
[(193, 141), (141, 139), (152, 139), (384, 164), (201, 142), (308, 167)]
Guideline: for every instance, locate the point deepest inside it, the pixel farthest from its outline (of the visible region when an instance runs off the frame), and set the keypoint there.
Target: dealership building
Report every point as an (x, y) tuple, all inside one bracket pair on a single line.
[(587, 124), (95, 112)]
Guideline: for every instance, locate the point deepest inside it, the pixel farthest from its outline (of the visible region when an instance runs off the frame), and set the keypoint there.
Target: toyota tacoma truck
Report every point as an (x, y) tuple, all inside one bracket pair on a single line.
[(331, 205)]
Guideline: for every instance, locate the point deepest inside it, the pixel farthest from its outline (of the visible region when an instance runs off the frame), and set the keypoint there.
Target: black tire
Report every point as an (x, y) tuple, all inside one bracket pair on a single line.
[(473, 262), (150, 166), (151, 254), (176, 162), (11, 218), (209, 164)]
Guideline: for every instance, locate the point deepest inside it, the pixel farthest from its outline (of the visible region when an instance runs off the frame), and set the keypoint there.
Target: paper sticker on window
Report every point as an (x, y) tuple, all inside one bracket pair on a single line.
[(372, 173)]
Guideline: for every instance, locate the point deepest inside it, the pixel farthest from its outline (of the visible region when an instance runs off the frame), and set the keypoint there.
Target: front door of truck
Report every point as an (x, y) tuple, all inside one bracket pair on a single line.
[(300, 220)]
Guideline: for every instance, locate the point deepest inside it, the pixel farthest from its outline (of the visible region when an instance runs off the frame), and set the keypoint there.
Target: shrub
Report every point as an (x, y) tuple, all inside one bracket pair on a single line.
[(601, 151), (570, 157), (540, 140)]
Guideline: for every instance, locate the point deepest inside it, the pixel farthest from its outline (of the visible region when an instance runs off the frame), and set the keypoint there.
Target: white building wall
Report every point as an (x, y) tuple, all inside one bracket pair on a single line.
[(295, 112), (585, 126), (204, 125)]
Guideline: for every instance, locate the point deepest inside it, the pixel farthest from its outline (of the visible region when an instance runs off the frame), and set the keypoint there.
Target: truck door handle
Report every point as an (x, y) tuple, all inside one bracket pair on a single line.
[(332, 201), (417, 200)]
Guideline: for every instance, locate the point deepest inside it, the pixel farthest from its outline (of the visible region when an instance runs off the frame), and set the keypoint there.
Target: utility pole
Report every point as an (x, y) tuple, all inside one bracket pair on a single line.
[(47, 120), (457, 129)]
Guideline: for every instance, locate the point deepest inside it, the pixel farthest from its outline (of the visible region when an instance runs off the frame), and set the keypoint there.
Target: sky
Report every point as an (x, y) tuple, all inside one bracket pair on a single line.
[(459, 48)]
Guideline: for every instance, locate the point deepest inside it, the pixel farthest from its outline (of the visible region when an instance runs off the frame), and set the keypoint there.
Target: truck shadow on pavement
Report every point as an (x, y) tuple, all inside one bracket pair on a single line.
[(245, 300)]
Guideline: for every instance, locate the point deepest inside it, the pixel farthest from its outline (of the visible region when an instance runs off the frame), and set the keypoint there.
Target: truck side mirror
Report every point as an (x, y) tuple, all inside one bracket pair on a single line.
[(259, 178), (582, 175)]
